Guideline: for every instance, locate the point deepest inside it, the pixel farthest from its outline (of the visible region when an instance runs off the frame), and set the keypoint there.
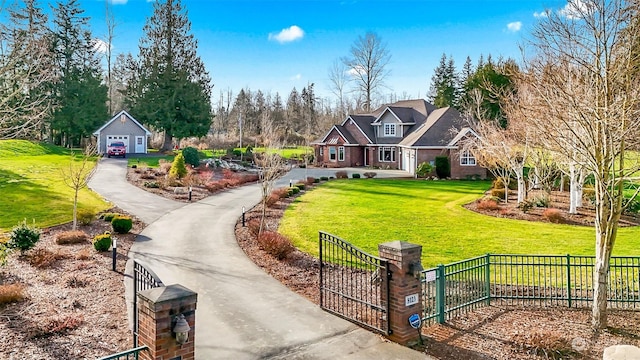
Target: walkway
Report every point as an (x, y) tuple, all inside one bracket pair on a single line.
[(243, 313)]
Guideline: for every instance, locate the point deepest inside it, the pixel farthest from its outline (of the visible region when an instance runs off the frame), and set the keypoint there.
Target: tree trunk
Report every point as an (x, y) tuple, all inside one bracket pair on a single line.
[(573, 202), (579, 187), (75, 209), (166, 143), (522, 186)]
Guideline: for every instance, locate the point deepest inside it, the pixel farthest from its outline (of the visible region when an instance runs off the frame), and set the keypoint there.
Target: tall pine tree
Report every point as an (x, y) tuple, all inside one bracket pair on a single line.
[(443, 91), (173, 90), (81, 96)]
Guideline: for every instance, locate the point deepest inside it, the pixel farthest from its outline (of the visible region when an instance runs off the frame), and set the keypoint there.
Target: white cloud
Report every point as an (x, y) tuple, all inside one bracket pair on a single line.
[(100, 46), (118, 2), (287, 35), (296, 77), (574, 9), (356, 71), (541, 14), (514, 26)]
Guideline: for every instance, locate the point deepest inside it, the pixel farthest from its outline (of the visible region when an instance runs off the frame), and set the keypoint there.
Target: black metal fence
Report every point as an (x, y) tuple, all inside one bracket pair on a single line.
[(143, 279), (353, 284), (540, 280), (131, 354)]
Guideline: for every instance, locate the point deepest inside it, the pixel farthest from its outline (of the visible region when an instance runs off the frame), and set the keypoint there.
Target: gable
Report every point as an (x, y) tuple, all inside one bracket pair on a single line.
[(121, 121), (439, 130)]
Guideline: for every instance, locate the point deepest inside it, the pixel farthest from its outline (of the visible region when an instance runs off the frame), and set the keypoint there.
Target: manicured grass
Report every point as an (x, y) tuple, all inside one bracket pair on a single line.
[(367, 212), (150, 161), (31, 185)]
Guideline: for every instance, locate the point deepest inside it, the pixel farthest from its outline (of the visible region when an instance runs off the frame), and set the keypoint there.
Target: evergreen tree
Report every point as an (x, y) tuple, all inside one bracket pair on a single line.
[(310, 117), (173, 90), (293, 120), (443, 91), (81, 96)]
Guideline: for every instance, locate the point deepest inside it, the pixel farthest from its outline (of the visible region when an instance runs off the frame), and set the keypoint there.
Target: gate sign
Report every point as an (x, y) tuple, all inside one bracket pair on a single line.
[(415, 321)]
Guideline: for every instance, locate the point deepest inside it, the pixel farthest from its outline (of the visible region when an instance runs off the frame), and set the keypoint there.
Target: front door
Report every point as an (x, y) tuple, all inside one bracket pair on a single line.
[(140, 145)]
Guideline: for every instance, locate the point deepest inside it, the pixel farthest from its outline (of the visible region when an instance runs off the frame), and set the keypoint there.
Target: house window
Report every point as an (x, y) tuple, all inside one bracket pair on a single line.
[(332, 153), (341, 153), (467, 158), (389, 129), (387, 154)]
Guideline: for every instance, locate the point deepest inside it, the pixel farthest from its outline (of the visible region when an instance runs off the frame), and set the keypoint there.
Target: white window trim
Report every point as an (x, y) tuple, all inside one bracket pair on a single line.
[(381, 151), (341, 153), (335, 155), (471, 160), (392, 130)]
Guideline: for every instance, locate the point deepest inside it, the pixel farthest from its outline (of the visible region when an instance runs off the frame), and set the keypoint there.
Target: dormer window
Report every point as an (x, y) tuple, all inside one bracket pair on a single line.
[(389, 129)]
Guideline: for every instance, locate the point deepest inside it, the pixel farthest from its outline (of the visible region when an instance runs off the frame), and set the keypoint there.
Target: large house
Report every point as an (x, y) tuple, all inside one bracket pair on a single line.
[(401, 135)]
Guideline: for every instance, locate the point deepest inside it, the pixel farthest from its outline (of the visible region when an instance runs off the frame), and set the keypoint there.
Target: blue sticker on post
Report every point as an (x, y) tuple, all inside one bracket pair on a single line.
[(415, 321)]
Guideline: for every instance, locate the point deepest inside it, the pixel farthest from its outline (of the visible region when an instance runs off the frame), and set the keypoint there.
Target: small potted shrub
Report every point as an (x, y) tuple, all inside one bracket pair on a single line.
[(122, 224)]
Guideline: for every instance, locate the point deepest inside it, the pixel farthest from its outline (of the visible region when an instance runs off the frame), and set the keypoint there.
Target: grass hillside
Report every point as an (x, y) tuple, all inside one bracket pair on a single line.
[(32, 188), (369, 212)]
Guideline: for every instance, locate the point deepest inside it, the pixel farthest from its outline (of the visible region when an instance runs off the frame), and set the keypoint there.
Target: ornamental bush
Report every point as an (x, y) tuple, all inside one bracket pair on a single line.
[(275, 244), (122, 224), (424, 169), (355, 176), (443, 167), (300, 186), (191, 156), (85, 216), (108, 216), (178, 169), (23, 236), (102, 242), (553, 215), (341, 174)]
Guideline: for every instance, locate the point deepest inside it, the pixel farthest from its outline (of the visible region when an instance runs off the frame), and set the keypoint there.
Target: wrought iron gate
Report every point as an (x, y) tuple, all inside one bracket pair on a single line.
[(353, 284), (143, 279)]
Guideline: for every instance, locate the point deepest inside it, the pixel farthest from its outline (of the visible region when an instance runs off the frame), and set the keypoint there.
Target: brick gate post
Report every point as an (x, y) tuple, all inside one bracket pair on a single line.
[(405, 288), (157, 312)]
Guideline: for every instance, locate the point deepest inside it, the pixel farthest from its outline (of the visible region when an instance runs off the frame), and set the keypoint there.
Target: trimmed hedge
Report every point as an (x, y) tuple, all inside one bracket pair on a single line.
[(102, 242), (122, 224)]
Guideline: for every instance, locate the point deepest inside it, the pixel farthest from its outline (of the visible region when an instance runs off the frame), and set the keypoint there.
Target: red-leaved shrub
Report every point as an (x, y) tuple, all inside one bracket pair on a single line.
[(72, 237), (553, 215), (341, 174), (275, 244), (488, 204), (254, 226)]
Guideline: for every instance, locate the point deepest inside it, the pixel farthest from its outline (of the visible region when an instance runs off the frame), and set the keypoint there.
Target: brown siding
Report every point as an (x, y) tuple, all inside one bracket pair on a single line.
[(355, 131), (461, 172)]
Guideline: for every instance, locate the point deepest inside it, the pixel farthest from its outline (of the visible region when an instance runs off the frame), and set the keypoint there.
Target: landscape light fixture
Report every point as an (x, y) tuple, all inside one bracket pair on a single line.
[(181, 329)]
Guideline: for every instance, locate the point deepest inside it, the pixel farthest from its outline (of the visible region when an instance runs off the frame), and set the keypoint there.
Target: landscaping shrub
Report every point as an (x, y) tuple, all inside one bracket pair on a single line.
[(151, 184), (295, 190), (148, 175), (300, 186), (191, 156), (71, 237), (526, 205), (341, 174), (370, 174), (553, 216), (77, 282), (589, 193), (542, 201), (324, 178), (272, 199), (310, 180), (178, 169), (84, 254), (43, 258), (10, 293), (85, 216), (108, 216), (424, 169), (23, 236), (254, 226), (499, 184), (488, 204), (164, 166), (316, 180), (63, 324), (632, 206), (275, 244), (547, 344), (355, 176), (102, 242), (122, 224), (443, 167), (499, 193)]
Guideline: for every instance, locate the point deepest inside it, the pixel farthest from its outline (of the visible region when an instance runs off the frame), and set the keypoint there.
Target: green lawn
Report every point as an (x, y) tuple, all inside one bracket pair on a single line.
[(367, 212), (31, 186)]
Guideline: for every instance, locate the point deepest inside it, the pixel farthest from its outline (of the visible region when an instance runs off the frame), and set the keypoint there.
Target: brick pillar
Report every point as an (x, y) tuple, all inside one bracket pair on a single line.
[(403, 287), (157, 310)]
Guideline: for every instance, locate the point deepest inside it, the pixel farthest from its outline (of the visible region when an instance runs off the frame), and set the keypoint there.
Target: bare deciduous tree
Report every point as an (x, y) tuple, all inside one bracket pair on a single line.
[(338, 81), (583, 96), (77, 176), (367, 64)]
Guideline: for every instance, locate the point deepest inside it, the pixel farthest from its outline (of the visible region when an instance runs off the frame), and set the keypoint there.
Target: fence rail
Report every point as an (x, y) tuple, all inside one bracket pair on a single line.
[(542, 280), (131, 354), (143, 279)]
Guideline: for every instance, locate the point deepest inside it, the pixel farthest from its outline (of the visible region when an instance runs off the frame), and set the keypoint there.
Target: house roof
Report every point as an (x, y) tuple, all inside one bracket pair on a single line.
[(438, 130), (117, 116), (333, 139), (363, 122)]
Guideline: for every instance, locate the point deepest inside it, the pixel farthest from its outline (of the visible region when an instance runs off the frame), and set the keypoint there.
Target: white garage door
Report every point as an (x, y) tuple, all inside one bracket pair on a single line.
[(123, 138)]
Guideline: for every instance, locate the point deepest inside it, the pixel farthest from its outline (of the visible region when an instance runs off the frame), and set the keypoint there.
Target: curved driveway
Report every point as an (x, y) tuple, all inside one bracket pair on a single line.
[(242, 312)]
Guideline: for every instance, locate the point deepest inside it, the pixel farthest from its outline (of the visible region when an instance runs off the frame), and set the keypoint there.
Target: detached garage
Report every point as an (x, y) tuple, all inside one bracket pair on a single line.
[(123, 127)]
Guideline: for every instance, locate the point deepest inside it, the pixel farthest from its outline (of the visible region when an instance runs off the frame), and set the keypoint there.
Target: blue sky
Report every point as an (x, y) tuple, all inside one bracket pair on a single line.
[(242, 42)]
